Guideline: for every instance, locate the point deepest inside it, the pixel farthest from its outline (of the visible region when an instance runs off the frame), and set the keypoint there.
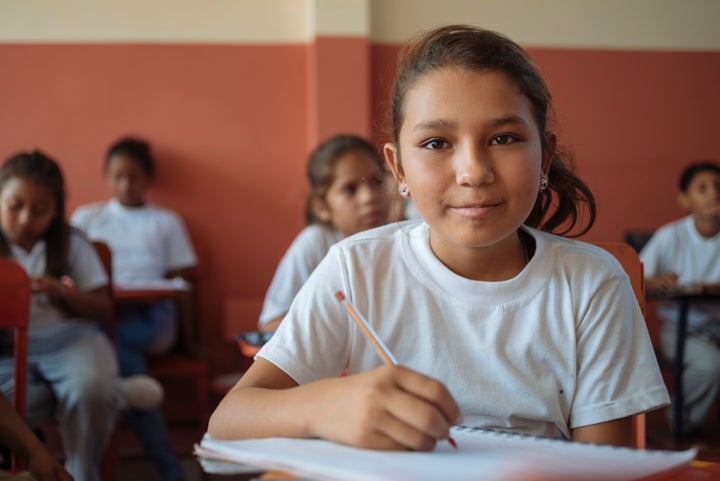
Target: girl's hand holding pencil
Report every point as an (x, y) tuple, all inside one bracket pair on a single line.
[(418, 410)]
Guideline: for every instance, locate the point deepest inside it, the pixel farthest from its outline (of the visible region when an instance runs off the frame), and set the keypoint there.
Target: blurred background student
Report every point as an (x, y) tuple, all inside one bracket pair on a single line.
[(348, 194), (72, 367), (682, 253), (148, 243)]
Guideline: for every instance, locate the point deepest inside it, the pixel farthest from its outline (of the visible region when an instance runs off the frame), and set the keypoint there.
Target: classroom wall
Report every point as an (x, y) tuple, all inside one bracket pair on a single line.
[(234, 94)]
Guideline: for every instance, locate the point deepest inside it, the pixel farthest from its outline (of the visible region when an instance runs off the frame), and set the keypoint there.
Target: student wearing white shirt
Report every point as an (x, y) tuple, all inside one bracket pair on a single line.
[(72, 367), (148, 243), (347, 196), (682, 253)]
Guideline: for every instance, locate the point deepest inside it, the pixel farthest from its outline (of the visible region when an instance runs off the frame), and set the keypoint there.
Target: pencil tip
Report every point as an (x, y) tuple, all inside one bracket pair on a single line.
[(452, 442), (340, 296)]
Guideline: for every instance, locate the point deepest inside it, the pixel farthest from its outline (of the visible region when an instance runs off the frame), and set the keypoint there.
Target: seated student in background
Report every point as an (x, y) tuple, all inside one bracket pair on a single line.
[(683, 253), (15, 434), (148, 243), (72, 366), (495, 321), (347, 196)]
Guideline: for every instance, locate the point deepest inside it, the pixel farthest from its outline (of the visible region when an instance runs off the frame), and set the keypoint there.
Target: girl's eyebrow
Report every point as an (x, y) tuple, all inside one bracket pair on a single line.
[(493, 123)]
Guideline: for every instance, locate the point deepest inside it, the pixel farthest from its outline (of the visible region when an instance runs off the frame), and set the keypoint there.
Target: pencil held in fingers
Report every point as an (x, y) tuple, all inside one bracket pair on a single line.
[(372, 336)]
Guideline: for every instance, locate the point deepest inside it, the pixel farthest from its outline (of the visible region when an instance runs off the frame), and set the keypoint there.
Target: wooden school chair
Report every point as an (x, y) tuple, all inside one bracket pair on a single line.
[(183, 365), (15, 314), (630, 261)]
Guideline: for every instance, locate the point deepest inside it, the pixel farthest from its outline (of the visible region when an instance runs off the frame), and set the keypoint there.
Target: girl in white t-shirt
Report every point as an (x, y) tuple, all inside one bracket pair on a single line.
[(347, 196), (496, 322), (148, 243), (72, 368)]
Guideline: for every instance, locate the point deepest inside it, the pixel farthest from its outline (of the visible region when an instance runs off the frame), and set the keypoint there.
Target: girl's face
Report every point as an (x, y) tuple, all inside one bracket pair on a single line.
[(127, 179), (356, 200), (27, 209), (471, 153)]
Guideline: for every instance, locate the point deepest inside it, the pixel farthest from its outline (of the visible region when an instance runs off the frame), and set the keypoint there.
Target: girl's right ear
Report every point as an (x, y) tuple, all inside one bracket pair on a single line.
[(392, 157)]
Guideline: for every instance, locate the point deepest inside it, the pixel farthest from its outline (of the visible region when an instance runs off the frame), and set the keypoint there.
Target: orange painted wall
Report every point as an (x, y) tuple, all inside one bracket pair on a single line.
[(633, 119), (227, 124)]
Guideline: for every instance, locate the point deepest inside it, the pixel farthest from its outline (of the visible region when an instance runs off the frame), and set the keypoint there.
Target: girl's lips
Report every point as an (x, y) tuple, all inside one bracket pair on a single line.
[(475, 210)]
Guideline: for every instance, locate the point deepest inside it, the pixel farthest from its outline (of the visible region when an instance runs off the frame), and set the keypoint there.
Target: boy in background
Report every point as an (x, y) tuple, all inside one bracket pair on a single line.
[(682, 253)]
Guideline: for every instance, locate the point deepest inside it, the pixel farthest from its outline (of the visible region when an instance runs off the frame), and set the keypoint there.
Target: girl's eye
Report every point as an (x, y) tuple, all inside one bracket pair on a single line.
[(503, 139), (348, 189), (434, 144)]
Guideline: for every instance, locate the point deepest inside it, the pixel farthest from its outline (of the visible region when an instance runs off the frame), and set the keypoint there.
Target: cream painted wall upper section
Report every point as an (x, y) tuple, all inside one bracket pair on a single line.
[(176, 21), (627, 24)]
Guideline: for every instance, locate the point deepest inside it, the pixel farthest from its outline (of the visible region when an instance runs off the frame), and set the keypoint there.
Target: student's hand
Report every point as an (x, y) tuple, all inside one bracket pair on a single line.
[(48, 285), (391, 407), (46, 468), (663, 282)]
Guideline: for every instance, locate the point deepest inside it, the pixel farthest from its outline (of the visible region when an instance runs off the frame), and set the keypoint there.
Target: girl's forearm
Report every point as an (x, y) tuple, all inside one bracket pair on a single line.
[(252, 412), (91, 305)]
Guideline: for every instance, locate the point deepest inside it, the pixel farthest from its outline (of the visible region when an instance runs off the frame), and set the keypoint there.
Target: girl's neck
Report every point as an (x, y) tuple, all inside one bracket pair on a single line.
[(499, 262)]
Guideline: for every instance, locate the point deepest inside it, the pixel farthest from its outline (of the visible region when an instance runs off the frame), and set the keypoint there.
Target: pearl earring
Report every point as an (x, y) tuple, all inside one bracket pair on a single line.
[(543, 182), (404, 189)]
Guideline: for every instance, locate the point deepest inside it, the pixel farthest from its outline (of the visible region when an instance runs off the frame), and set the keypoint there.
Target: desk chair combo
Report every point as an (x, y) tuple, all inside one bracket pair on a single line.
[(15, 314)]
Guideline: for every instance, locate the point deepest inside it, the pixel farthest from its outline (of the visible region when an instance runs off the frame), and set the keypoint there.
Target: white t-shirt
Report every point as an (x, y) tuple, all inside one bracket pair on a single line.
[(301, 258), (85, 269), (146, 242), (561, 345), (679, 248)]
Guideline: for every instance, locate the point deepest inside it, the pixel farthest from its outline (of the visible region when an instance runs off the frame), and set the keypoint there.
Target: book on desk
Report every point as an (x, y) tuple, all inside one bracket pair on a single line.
[(482, 454)]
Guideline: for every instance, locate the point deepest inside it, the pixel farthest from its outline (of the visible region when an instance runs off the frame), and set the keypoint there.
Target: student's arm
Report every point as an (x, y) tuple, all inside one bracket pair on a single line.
[(661, 282), (92, 304), (617, 432), (187, 273), (20, 440), (390, 407), (272, 324)]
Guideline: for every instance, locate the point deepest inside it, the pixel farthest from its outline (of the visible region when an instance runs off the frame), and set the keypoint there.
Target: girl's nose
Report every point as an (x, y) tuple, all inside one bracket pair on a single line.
[(472, 167)]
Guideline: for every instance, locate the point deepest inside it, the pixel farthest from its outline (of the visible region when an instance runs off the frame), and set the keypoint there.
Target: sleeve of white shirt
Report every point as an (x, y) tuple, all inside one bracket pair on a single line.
[(653, 253), (180, 252), (294, 269), (86, 268), (617, 372)]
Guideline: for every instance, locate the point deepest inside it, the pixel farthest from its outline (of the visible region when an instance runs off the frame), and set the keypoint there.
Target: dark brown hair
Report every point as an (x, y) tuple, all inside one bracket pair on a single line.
[(321, 166), (135, 149), (471, 48), (37, 167), (689, 173)]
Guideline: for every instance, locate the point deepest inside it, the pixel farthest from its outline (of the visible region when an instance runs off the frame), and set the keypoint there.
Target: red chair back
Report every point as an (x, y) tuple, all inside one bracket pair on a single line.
[(14, 314)]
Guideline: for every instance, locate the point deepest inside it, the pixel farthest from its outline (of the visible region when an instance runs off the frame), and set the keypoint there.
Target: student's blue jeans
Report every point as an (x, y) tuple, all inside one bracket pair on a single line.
[(144, 330)]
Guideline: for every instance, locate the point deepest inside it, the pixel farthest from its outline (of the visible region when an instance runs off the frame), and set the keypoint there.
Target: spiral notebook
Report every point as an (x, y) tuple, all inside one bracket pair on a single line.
[(482, 455)]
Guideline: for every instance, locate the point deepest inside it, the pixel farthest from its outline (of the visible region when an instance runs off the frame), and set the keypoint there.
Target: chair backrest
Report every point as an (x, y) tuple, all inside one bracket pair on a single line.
[(15, 314), (630, 261)]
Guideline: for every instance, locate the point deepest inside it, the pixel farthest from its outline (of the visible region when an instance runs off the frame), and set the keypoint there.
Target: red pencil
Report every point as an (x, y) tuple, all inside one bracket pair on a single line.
[(372, 336)]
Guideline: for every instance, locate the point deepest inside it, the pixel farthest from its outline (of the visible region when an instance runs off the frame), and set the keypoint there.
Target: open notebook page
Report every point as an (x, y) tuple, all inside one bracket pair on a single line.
[(482, 455)]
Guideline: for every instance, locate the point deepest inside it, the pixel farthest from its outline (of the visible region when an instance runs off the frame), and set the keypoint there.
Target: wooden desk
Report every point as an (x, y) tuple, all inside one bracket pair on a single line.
[(684, 297), (125, 295)]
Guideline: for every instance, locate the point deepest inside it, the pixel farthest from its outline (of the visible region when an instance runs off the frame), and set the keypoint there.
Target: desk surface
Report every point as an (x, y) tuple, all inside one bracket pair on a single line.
[(224, 471), (124, 295), (695, 291)]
